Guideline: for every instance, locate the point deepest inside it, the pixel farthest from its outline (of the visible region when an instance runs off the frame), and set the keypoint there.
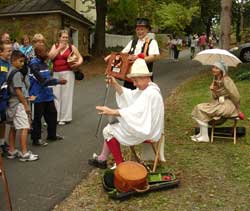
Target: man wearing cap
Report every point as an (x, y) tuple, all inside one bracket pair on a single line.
[(142, 44), (225, 103), (140, 115)]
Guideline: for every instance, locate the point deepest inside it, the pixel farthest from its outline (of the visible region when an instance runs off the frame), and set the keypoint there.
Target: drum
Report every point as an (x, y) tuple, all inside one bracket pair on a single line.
[(119, 66), (131, 176)]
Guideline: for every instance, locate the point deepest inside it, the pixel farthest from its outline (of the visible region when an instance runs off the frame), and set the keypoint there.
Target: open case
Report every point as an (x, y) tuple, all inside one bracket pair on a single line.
[(156, 181)]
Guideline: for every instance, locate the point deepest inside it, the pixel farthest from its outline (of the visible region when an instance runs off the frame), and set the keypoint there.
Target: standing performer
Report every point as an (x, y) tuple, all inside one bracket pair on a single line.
[(225, 103), (140, 115), (141, 44)]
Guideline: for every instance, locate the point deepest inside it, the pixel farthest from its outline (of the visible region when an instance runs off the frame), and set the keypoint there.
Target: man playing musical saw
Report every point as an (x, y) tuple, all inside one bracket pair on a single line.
[(140, 115)]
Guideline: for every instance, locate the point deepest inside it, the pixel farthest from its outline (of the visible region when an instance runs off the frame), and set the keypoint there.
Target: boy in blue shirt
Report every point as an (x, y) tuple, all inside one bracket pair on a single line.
[(44, 105), (5, 53)]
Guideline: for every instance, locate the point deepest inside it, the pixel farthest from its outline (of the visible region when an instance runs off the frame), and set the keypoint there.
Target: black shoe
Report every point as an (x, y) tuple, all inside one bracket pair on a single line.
[(39, 142), (102, 164), (57, 138), (5, 149)]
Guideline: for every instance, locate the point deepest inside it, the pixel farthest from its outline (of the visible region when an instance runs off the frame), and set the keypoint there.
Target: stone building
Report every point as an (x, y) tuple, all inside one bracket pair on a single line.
[(86, 7), (47, 17)]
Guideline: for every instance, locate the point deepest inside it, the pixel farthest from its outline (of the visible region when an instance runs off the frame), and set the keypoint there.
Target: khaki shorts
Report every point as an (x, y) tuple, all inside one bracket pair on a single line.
[(20, 119)]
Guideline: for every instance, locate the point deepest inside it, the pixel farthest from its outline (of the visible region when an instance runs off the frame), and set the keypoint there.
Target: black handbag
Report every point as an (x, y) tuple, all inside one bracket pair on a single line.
[(79, 76)]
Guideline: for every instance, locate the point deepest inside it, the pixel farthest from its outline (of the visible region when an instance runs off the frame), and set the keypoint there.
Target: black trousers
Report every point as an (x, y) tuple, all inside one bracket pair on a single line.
[(48, 111)]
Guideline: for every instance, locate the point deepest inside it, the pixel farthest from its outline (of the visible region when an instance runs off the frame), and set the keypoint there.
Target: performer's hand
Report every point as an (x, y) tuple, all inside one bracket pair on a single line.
[(107, 111), (111, 80)]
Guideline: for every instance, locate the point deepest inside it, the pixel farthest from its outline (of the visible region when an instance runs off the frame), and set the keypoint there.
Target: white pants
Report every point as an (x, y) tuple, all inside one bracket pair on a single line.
[(64, 95)]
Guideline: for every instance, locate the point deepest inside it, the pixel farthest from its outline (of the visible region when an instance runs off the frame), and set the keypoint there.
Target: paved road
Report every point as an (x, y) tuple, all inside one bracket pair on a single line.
[(38, 186)]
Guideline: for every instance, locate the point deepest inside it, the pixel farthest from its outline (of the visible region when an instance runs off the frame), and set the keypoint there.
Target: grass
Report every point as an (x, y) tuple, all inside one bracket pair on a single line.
[(214, 177)]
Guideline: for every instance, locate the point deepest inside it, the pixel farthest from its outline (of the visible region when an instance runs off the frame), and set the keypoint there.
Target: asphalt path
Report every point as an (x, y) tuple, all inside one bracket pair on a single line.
[(40, 185)]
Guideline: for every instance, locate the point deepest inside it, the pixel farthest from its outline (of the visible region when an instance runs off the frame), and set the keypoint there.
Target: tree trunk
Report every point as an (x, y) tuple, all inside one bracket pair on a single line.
[(241, 18), (225, 23), (99, 40)]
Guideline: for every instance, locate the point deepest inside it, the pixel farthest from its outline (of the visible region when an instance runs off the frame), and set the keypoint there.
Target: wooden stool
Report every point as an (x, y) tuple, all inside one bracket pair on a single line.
[(220, 135), (5, 183), (156, 146)]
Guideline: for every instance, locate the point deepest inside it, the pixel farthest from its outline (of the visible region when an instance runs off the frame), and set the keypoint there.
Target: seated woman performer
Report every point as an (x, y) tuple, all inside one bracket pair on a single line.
[(225, 102), (140, 115)]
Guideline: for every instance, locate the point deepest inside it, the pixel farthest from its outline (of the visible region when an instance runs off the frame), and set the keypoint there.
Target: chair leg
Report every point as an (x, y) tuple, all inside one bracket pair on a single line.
[(235, 132), (132, 148), (156, 161), (154, 148), (212, 132)]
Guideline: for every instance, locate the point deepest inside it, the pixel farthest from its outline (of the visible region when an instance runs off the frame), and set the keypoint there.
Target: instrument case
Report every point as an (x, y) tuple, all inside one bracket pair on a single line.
[(156, 181)]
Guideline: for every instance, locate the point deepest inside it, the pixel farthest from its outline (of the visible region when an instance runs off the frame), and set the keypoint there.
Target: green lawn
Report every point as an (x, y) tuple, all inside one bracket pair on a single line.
[(213, 176)]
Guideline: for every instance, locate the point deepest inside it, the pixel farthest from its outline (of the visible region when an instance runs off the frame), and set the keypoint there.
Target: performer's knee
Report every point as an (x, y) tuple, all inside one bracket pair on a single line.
[(107, 133)]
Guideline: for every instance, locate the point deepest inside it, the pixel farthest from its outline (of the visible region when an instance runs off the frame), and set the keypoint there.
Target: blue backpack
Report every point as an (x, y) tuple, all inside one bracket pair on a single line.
[(4, 95)]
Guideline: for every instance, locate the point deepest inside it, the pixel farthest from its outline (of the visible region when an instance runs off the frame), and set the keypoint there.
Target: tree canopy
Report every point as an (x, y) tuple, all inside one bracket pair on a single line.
[(175, 17)]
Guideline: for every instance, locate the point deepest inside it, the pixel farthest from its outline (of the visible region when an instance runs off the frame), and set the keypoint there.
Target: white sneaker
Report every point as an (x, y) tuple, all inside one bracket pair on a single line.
[(28, 156), (15, 154), (202, 139), (194, 137), (113, 167), (61, 123)]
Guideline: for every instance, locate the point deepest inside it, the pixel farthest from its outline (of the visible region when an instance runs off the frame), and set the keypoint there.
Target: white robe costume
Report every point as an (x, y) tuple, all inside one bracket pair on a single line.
[(141, 117)]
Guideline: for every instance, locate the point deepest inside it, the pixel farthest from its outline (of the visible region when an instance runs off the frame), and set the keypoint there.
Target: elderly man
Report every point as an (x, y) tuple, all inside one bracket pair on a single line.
[(140, 115)]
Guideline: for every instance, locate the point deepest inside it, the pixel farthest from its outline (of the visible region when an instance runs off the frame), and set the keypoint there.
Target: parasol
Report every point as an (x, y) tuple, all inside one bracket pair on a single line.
[(210, 56)]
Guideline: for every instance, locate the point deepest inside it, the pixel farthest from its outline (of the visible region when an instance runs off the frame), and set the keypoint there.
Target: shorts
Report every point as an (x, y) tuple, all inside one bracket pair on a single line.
[(20, 119)]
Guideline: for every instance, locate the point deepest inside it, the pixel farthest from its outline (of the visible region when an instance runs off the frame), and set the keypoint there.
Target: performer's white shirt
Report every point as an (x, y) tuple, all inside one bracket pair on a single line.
[(153, 47), (141, 116)]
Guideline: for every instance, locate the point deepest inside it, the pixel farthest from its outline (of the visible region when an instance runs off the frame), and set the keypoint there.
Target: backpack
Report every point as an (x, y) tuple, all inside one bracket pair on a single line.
[(4, 95)]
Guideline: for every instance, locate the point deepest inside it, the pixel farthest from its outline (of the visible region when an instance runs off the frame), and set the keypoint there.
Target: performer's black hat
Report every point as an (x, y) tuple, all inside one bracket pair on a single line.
[(143, 22)]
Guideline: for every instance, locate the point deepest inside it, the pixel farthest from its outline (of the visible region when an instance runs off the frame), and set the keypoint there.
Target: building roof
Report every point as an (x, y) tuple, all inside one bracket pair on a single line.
[(35, 7)]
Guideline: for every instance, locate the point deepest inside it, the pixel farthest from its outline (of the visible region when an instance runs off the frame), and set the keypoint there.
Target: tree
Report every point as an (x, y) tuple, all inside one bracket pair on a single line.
[(209, 10), (240, 18), (225, 23), (101, 11), (121, 16), (174, 17)]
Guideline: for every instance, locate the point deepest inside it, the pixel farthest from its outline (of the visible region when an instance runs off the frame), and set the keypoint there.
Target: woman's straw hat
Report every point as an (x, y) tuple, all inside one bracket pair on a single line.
[(139, 69)]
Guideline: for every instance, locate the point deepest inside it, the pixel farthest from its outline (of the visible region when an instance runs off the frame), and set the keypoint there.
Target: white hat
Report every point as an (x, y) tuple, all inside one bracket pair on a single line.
[(222, 66), (139, 69)]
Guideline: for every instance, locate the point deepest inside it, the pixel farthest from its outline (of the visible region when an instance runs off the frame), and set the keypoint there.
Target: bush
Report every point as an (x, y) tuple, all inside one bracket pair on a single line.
[(242, 72)]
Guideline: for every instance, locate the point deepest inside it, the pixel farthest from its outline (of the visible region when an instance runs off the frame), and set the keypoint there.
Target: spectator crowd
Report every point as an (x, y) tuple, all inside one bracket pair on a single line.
[(27, 96)]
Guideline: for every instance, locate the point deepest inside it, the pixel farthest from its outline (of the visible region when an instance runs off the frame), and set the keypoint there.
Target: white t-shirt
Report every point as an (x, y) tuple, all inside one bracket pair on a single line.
[(153, 47)]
